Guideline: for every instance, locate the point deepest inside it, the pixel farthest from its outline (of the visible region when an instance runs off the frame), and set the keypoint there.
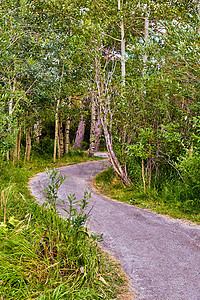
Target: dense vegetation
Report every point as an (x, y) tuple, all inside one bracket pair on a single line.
[(43, 256), (168, 201), (116, 75), (128, 68)]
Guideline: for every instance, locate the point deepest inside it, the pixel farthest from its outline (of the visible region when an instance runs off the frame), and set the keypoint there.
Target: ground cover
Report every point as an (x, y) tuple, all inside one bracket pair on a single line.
[(43, 256), (110, 185)]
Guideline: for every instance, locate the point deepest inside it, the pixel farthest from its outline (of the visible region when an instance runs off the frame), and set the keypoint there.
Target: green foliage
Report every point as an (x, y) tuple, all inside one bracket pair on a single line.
[(106, 176), (84, 145), (43, 256), (171, 196), (44, 148), (52, 189), (190, 169), (51, 50)]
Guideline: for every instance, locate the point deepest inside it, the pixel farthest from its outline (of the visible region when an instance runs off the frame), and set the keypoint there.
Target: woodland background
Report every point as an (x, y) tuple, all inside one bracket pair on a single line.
[(121, 76)]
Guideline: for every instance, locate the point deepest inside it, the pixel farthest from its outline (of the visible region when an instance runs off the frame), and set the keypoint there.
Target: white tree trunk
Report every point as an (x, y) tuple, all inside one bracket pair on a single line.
[(16, 156), (123, 48), (28, 145), (38, 130), (10, 111), (61, 137), (146, 35), (106, 115), (111, 154), (92, 128), (56, 130), (67, 129), (97, 133), (56, 140)]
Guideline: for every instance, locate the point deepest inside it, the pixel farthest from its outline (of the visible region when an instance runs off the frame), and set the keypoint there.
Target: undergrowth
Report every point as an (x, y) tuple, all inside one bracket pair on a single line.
[(43, 256), (173, 199)]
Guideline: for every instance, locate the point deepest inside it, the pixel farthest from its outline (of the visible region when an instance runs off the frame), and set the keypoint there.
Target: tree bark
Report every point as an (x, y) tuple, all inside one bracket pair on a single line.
[(104, 110), (112, 157), (92, 128), (56, 130), (10, 111), (61, 138), (143, 177), (28, 145), (56, 139), (38, 131), (123, 47), (79, 134), (67, 129), (97, 133), (149, 169), (146, 35), (17, 147)]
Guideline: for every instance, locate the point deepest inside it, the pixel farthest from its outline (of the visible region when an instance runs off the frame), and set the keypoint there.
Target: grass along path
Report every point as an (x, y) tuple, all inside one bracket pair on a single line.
[(159, 255), (107, 183), (39, 263)]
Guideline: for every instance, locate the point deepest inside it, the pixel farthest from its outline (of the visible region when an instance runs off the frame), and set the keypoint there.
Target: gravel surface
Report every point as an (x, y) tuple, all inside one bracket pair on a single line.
[(159, 254)]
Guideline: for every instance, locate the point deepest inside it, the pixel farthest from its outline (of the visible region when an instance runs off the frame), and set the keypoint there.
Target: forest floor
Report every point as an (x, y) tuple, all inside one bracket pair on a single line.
[(160, 255)]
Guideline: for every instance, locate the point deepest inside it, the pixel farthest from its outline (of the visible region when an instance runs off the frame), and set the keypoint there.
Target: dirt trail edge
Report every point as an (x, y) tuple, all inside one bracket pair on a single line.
[(160, 255)]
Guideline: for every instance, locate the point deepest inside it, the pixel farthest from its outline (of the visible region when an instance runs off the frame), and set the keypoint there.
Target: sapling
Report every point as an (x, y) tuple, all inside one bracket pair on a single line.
[(75, 209), (51, 191)]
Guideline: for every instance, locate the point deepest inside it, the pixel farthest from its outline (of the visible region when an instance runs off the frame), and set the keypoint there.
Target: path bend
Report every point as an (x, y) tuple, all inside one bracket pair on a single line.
[(160, 255)]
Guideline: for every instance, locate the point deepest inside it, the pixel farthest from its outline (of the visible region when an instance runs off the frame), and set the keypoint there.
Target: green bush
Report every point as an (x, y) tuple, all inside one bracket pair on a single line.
[(190, 169), (44, 148)]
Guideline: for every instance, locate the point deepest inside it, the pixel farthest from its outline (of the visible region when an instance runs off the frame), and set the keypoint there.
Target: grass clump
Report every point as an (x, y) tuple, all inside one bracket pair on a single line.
[(172, 199), (43, 256)]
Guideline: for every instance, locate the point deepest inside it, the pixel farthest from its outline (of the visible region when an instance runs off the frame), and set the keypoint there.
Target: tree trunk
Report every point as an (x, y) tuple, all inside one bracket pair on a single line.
[(97, 133), (92, 128), (58, 146), (104, 109), (28, 146), (61, 138), (19, 144), (146, 36), (143, 176), (67, 128), (115, 164), (149, 170), (17, 147), (79, 134), (123, 47), (56, 139), (56, 130), (10, 111), (38, 131)]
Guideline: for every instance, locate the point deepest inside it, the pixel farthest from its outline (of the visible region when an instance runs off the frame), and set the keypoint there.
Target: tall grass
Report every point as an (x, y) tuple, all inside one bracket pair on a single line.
[(173, 197), (43, 256)]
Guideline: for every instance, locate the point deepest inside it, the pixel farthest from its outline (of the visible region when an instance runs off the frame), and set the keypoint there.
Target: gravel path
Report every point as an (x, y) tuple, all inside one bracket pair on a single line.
[(160, 255)]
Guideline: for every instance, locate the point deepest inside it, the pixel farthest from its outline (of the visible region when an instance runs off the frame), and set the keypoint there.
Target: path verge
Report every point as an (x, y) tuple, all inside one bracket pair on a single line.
[(160, 255)]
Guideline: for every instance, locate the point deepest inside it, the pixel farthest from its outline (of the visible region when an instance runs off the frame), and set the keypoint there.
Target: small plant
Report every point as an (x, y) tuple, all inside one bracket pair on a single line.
[(76, 215), (75, 228), (52, 190)]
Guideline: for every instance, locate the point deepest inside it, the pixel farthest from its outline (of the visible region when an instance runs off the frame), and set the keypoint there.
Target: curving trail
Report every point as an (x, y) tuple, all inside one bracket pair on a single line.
[(160, 255)]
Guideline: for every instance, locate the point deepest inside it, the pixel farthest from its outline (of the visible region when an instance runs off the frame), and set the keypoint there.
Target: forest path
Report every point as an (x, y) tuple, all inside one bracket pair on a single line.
[(160, 255)]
